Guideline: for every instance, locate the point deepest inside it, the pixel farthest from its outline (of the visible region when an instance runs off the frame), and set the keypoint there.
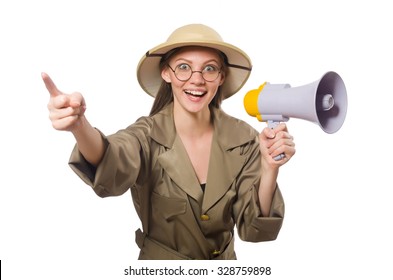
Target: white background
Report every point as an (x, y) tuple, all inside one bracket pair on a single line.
[(338, 187)]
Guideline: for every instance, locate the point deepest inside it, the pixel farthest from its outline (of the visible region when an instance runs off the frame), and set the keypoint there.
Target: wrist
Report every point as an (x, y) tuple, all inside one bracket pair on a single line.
[(81, 126), (268, 167)]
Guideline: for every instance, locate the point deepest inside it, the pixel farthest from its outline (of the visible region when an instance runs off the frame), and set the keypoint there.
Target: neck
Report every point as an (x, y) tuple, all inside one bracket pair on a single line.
[(193, 124)]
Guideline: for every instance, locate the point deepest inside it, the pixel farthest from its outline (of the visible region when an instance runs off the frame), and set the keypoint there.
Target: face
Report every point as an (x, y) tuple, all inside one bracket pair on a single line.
[(195, 94)]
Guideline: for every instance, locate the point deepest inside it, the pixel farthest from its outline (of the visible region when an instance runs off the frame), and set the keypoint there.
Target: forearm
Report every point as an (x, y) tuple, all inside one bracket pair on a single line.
[(267, 188), (89, 141)]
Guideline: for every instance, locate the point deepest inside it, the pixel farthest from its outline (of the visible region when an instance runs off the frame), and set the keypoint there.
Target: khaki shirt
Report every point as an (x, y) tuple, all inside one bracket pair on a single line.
[(179, 220)]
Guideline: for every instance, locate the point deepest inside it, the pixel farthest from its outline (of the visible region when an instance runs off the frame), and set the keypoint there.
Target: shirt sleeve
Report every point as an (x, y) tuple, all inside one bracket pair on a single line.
[(120, 165), (250, 223)]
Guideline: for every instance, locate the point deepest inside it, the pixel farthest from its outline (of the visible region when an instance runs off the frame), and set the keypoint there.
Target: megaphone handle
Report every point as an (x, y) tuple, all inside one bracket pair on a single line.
[(273, 124)]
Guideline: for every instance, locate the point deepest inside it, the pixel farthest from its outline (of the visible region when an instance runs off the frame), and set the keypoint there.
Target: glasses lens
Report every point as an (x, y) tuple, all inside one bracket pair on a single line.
[(210, 73), (183, 72)]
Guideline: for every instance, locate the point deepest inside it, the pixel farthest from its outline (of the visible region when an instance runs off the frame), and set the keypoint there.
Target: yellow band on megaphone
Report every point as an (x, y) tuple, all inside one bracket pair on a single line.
[(251, 101)]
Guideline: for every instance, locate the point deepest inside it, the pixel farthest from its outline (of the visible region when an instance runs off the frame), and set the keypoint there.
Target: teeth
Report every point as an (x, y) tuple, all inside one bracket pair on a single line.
[(196, 93)]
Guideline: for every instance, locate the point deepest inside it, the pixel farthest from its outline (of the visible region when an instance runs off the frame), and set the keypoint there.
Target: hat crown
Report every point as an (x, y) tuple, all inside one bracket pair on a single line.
[(194, 32)]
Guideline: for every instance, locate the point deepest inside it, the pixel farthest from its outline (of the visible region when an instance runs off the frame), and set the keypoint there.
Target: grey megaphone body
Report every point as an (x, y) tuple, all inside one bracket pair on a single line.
[(323, 102)]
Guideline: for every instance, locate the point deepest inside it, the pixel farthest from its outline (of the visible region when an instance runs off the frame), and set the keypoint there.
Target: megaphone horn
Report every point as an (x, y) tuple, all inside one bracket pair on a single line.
[(323, 102)]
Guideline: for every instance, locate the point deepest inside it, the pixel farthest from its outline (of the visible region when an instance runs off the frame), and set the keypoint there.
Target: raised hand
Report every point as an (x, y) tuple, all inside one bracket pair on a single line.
[(65, 110)]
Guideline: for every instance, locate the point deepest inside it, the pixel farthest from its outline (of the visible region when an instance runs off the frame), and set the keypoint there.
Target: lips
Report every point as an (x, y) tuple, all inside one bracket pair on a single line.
[(195, 93)]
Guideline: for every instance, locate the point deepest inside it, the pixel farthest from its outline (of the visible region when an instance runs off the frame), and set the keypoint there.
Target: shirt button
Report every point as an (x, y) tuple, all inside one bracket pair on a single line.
[(205, 217), (216, 252)]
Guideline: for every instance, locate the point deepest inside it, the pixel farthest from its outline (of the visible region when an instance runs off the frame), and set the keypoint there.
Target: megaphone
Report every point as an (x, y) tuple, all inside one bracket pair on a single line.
[(323, 102)]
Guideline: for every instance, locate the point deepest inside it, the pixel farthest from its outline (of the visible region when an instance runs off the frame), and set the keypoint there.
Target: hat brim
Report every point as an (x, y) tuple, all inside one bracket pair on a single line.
[(149, 73)]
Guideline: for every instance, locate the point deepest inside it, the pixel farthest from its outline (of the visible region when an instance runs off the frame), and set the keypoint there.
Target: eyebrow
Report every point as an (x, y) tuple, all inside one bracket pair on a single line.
[(191, 62), (148, 54)]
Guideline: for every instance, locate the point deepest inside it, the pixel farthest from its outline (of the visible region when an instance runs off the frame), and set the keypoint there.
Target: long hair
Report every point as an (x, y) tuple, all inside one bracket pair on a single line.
[(165, 96)]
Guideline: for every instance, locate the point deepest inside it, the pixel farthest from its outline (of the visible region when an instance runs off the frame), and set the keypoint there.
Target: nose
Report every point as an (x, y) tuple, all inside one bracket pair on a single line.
[(197, 77)]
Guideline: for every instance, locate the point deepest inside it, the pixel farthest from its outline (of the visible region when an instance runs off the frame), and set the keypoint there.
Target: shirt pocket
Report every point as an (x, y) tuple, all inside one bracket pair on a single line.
[(168, 207)]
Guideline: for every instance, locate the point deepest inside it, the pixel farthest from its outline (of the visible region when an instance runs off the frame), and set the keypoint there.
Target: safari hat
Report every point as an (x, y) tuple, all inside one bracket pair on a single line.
[(149, 73)]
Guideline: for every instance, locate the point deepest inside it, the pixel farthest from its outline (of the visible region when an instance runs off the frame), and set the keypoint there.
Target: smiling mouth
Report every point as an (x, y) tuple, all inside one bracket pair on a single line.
[(195, 93)]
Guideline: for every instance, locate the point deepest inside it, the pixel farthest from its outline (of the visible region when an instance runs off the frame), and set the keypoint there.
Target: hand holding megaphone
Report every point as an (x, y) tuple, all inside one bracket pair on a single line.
[(323, 102)]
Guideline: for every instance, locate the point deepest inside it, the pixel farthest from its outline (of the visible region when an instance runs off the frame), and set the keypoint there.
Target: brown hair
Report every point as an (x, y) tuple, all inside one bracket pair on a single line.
[(165, 96)]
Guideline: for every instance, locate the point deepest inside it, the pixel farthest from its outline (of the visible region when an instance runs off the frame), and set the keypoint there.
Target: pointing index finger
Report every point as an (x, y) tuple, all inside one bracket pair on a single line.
[(50, 85)]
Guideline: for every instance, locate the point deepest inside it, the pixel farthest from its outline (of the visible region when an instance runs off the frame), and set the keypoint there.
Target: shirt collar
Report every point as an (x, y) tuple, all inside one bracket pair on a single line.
[(230, 132)]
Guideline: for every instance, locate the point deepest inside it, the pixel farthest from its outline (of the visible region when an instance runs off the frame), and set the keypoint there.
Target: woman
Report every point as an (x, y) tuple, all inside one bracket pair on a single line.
[(194, 172)]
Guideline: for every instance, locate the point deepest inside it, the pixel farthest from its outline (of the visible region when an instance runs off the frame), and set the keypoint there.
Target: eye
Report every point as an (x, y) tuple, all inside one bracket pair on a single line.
[(210, 68), (183, 67)]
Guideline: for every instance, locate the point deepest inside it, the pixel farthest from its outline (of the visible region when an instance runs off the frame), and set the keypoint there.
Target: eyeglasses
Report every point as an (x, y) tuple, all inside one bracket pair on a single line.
[(183, 72)]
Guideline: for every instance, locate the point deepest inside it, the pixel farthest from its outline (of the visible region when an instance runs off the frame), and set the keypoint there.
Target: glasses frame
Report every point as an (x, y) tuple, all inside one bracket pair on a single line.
[(192, 72)]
